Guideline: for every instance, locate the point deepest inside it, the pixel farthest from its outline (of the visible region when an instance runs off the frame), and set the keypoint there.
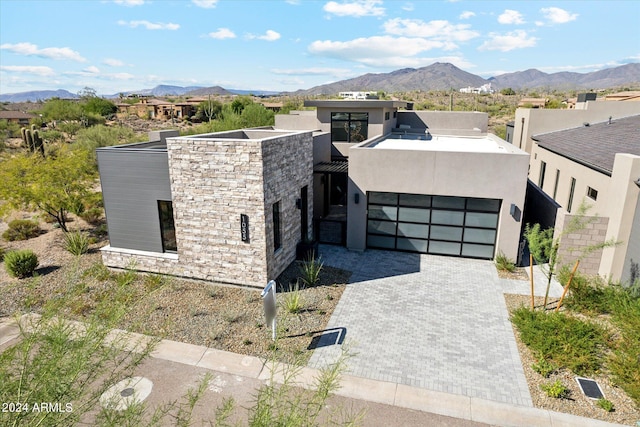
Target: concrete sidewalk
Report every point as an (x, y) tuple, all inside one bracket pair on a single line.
[(175, 367)]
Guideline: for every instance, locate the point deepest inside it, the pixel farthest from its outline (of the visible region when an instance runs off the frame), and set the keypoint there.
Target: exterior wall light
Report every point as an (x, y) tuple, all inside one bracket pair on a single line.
[(637, 182), (356, 198)]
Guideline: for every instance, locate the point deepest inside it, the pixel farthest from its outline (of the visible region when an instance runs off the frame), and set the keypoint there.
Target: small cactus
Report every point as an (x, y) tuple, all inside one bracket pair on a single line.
[(33, 140)]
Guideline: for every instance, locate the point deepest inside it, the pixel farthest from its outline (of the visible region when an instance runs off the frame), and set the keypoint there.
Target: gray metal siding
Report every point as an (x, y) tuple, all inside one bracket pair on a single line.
[(132, 183)]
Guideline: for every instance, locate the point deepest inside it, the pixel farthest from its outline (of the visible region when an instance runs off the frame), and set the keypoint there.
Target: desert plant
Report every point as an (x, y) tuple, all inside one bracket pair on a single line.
[(21, 263), (2, 252), (503, 263), (92, 215), (21, 229), (76, 242), (555, 389), (293, 300), (310, 270), (543, 367), (605, 404)]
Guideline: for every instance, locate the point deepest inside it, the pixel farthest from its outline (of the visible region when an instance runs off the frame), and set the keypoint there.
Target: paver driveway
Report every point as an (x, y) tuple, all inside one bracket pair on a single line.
[(434, 322)]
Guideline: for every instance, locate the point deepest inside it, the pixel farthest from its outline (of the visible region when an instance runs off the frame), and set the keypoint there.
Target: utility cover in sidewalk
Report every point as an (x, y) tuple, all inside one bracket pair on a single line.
[(590, 388), (121, 395)]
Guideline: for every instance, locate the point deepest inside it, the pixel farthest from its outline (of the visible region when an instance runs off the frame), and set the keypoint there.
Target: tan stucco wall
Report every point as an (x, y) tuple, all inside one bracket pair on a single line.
[(537, 121), (445, 121), (486, 175)]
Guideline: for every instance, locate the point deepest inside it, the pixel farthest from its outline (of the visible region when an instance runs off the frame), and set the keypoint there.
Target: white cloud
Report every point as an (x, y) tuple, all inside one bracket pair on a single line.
[(30, 49), (149, 25), (408, 7), (356, 8), (505, 42), (222, 33), (28, 69), (269, 36), (207, 4), (439, 30), (112, 62), (558, 16), (91, 70), (467, 14), (129, 2), (379, 51), (510, 17)]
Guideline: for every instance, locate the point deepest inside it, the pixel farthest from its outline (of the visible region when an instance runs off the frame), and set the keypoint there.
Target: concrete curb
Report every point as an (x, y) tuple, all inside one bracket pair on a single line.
[(399, 395)]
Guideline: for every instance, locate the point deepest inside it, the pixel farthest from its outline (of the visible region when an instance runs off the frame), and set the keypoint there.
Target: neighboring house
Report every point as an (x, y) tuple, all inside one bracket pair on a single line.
[(158, 109), (533, 102), (631, 95), (363, 174), (485, 88), (18, 117), (598, 164), (358, 95)]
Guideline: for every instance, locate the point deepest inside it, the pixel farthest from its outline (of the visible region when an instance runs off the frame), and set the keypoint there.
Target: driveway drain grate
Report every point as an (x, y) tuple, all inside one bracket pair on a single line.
[(590, 388)]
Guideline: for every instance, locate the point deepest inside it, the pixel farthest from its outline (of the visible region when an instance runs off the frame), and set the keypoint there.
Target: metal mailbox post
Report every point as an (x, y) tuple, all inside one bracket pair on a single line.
[(269, 302)]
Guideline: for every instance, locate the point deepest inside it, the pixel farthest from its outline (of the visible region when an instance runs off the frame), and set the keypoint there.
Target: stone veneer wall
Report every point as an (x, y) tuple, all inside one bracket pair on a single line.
[(573, 245), (212, 183), (288, 166)]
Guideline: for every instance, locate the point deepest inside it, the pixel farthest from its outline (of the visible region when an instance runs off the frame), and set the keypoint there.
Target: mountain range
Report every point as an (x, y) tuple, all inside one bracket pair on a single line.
[(437, 76)]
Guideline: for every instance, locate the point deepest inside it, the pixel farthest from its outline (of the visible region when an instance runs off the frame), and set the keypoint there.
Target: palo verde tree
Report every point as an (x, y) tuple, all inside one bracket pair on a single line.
[(54, 185), (544, 247)]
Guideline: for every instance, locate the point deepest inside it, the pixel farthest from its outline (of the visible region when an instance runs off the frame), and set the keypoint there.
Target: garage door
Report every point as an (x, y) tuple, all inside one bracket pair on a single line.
[(443, 225)]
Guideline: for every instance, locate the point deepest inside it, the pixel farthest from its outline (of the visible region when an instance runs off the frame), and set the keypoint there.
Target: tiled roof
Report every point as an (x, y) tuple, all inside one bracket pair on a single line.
[(595, 145), (9, 114)]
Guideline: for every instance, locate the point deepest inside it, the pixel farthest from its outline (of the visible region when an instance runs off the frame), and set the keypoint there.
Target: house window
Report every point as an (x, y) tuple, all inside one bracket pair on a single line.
[(592, 193), (277, 234), (395, 114), (572, 189), (543, 169), (386, 115), (555, 186), (349, 127), (167, 226)]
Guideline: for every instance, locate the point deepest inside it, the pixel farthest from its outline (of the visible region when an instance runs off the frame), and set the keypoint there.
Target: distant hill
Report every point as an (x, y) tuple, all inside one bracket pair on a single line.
[(37, 95), (438, 76), (204, 91), (628, 74)]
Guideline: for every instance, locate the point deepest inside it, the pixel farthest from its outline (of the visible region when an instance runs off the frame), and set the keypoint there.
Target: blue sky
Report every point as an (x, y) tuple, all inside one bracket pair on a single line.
[(285, 45)]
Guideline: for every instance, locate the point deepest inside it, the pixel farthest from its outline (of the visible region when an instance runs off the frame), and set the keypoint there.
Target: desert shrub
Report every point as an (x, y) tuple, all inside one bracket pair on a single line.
[(543, 367), (503, 263), (2, 252), (605, 404), (92, 215), (21, 229), (561, 339), (310, 270), (21, 263), (76, 242), (555, 389), (293, 300)]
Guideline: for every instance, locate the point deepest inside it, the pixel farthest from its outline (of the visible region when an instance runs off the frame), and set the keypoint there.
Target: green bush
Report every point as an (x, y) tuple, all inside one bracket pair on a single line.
[(76, 242), (21, 263), (2, 252), (21, 229), (310, 270), (504, 264), (561, 339), (92, 215), (293, 301), (555, 389), (605, 404), (543, 367)]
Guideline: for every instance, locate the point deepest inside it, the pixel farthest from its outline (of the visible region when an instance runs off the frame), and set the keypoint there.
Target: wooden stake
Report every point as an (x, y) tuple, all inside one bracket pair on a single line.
[(566, 288), (531, 279)]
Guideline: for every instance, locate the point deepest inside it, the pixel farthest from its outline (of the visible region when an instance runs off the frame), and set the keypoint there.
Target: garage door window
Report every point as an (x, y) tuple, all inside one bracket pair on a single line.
[(458, 226)]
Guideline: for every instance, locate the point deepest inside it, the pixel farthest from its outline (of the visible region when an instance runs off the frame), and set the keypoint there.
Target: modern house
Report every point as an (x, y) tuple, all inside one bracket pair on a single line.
[(232, 206), (597, 164)]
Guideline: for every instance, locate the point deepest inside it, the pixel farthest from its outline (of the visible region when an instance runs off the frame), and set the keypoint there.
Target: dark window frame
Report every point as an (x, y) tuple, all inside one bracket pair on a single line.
[(572, 190), (277, 231), (543, 171), (167, 226), (364, 130), (592, 193), (555, 186)]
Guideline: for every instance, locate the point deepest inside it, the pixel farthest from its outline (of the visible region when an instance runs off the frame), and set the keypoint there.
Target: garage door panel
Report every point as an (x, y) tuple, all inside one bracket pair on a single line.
[(444, 225), (413, 230)]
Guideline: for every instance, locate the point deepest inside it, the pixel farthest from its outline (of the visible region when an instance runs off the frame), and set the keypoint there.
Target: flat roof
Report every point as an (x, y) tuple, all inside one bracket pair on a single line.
[(356, 103), (426, 142)]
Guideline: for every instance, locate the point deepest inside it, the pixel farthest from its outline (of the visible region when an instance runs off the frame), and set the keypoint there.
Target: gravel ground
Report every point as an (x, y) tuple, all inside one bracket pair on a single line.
[(626, 412)]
